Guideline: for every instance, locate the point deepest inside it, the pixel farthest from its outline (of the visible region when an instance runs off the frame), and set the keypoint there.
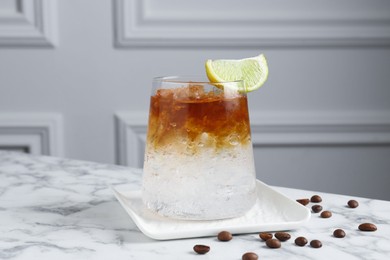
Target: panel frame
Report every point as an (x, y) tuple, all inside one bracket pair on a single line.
[(39, 133), (34, 24), (136, 25), (272, 129)]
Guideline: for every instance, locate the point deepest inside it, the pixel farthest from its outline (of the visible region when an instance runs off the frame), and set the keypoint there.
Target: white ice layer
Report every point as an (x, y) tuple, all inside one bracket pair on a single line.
[(209, 184)]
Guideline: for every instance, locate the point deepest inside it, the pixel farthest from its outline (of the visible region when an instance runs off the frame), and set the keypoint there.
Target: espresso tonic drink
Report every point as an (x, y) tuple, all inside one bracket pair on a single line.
[(198, 158)]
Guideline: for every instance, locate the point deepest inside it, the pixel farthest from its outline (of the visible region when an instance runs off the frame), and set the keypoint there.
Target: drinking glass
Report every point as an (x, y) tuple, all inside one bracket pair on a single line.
[(198, 157)]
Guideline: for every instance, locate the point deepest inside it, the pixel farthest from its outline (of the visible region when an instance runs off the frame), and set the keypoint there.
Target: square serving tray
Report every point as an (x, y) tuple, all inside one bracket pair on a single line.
[(272, 212)]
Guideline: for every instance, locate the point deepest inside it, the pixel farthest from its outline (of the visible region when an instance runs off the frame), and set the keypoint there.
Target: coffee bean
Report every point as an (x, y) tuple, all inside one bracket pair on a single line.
[(201, 249), (300, 241), (367, 227), (339, 233), (273, 243), (282, 236), (265, 236), (326, 214), (304, 202), (353, 204), (315, 243), (225, 236), (316, 199), (250, 256), (316, 208)]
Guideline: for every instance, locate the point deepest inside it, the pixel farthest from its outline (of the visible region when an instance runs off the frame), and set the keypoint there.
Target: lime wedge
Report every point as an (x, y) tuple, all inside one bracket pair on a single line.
[(253, 71)]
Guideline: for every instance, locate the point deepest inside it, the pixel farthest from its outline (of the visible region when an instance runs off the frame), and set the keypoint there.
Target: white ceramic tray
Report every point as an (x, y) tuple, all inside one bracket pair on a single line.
[(272, 212)]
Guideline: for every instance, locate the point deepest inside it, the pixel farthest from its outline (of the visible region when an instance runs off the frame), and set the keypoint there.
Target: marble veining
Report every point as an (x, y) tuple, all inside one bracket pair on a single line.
[(55, 208)]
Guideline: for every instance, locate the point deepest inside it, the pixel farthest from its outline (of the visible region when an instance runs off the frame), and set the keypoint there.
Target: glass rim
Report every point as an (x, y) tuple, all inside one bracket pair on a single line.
[(198, 79)]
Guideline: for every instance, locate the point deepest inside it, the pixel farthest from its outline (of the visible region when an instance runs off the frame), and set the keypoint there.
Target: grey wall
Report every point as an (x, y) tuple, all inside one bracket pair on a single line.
[(321, 122)]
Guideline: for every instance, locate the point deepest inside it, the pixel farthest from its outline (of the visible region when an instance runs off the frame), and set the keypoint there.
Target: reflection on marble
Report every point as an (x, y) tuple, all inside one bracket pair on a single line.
[(53, 208)]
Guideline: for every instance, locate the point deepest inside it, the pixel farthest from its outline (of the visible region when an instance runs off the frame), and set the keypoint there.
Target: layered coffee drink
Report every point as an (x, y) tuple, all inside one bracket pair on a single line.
[(199, 157)]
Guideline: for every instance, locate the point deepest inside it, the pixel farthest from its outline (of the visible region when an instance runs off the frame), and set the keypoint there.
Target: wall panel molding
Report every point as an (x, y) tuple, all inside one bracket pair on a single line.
[(358, 128), (229, 23), (130, 137), (30, 23), (37, 133), (276, 129)]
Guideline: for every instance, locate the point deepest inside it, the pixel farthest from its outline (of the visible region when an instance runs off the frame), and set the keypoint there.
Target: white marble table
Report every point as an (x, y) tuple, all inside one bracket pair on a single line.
[(52, 208)]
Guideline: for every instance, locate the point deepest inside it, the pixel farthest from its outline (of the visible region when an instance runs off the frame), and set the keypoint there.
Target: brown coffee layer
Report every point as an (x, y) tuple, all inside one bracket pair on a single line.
[(194, 117)]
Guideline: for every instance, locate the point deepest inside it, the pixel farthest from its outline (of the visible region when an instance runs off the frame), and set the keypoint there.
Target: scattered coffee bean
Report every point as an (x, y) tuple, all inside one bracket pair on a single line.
[(367, 227), (353, 204), (316, 199), (304, 202), (201, 249), (339, 233), (300, 241), (315, 243), (265, 236), (225, 236), (282, 236), (250, 256), (316, 208), (326, 214), (273, 243)]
